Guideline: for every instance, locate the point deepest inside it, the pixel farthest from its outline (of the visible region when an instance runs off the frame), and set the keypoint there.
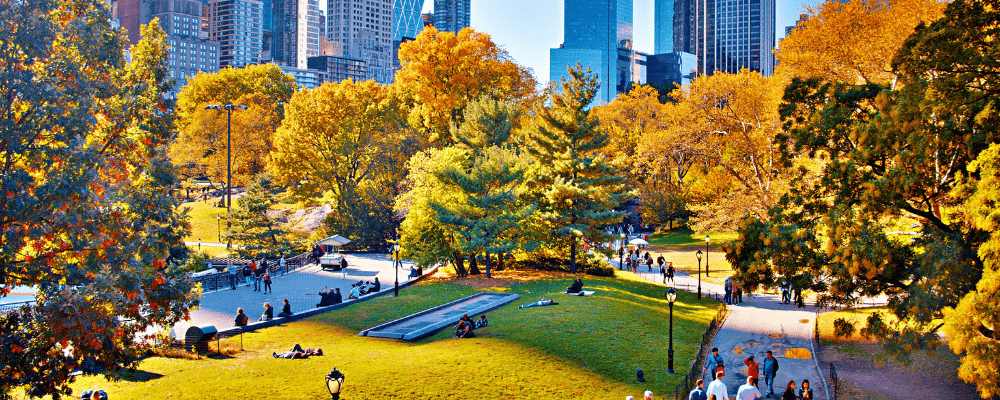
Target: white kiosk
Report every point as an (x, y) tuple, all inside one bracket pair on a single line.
[(332, 261)]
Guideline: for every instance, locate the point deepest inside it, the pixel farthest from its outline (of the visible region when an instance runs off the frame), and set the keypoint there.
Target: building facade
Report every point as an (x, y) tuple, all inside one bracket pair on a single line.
[(671, 69), (296, 32), (663, 26), (306, 78), (726, 35), (339, 68), (237, 25), (594, 32), (365, 28), (452, 15)]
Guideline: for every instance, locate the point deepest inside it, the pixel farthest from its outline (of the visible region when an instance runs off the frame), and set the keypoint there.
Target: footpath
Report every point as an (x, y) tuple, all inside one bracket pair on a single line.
[(759, 324)]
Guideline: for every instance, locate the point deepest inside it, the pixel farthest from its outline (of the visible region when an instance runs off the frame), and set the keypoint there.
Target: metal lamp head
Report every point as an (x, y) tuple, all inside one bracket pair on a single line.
[(671, 295), (334, 383), (698, 254), (707, 239)]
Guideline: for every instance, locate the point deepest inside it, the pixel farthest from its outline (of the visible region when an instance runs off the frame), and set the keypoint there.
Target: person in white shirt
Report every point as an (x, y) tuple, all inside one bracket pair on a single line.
[(748, 391), (718, 388)]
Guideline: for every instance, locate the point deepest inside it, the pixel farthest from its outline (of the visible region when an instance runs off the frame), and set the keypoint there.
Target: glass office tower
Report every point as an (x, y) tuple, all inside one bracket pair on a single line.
[(452, 15), (726, 35), (237, 26), (594, 31), (663, 26)]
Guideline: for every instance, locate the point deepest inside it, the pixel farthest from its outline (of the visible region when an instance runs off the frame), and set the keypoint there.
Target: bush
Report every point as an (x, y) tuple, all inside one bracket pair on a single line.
[(547, 259), (195, 262)]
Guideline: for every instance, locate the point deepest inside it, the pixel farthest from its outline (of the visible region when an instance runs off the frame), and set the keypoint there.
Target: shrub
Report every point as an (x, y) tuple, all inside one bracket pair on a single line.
[(548, 259)]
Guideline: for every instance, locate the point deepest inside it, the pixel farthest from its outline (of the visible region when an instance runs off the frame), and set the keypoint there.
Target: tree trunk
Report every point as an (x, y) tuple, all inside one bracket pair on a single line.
[(473, 265), (459, 264), (488, 276), (572, 257), (500, 265)]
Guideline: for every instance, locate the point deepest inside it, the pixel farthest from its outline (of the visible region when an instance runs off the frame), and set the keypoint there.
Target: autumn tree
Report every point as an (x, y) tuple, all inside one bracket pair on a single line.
[(347, 141), (200, 147), (253, 233), (737, 122), (853, 41), (917, 149), (443, 71), (576, 186), (87, 216)]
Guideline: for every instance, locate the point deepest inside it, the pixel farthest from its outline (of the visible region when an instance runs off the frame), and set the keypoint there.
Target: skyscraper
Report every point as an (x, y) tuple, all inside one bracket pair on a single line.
[(452, 15), (595, 33), (238, 27), (663, 26), (296, 32), (727, 35), (406, 19), (365, 28)]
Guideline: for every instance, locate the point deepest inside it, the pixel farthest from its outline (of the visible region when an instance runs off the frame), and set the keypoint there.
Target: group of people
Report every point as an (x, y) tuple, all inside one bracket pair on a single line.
[(242, 319), (789, 292), (255, 272), (362, 288), (329, 297), (717, 389), (466, 326), (297, 352), (734, 291)]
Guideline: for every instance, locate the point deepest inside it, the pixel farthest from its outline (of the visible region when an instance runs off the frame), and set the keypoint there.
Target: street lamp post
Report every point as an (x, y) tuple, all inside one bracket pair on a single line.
[(621, 253), (706, 254), (671, 298), (229, 107), (334, 383), (395, 249), (698, 254), (218, 227)]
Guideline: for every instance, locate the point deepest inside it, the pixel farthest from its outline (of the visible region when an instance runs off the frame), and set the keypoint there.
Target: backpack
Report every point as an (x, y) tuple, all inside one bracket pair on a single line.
[(244, 320)]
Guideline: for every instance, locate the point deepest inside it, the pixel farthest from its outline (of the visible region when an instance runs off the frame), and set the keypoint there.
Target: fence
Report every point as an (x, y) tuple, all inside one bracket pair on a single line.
[(6, 308), (681, 390), (835, 379), (221, 280)]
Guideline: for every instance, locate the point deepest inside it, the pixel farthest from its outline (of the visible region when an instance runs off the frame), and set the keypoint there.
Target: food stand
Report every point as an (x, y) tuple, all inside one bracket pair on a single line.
[(331, 260)]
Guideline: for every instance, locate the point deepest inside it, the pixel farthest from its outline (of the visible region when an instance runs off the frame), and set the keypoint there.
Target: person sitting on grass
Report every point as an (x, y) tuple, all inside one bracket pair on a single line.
[(482, 323), (298, 352), (466, 328), (576, 287), (286, 310)]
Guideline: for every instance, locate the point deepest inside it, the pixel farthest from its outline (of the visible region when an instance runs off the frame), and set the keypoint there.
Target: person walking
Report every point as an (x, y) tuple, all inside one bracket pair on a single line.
[(248, 272), (698, 393), (663, 271), (670, 272), (753, 367), (649, 262), (805, 392), (258, 275), (785, 292), (749, 390), (713, 362), (770, 371), (281, 264), (737, 291), (267, 281), (233, 275), (728, 298), (661, 261), (718, 388)]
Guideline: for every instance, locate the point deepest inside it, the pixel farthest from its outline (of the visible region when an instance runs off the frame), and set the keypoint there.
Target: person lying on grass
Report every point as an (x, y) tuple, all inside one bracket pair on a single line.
[(298, 352)]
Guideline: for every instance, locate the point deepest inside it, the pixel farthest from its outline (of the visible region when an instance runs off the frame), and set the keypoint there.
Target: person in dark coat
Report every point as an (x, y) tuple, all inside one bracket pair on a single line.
[(337, 297), (377, 286), (241, 318), (286, 310), (325, 298), (576, 287)]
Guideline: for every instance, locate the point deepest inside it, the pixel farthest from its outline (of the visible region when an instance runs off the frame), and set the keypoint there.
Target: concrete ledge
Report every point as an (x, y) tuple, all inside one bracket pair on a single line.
[(253, 326), (502, 300)]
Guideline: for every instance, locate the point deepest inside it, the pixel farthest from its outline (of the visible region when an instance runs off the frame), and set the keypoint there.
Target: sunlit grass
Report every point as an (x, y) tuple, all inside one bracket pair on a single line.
[(585, 347), (203, 221)]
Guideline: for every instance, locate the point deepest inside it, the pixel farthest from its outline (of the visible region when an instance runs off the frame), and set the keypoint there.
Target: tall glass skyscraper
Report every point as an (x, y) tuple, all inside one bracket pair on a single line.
[(237, 26), (739, 34), (594, 31), (663, 26), (406, 19), (296, 32), (452, 15)]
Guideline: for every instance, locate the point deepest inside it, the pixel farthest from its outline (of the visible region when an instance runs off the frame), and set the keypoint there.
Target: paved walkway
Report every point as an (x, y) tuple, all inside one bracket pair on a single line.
[(759, 324), (300, 287)]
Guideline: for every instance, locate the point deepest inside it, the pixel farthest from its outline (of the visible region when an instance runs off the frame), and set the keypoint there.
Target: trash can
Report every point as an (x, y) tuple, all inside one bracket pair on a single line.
[(197, 337)]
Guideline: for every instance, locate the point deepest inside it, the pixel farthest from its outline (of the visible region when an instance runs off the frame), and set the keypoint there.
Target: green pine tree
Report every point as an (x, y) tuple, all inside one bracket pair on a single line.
[(577, 187), (252, 232)]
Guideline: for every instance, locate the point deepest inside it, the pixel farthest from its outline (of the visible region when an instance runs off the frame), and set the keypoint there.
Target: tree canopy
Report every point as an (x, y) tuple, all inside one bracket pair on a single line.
[(86, 214)]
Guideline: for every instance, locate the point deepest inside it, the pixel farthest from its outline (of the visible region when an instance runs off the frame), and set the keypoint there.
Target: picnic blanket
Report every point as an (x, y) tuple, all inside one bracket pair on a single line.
[(582, 293)]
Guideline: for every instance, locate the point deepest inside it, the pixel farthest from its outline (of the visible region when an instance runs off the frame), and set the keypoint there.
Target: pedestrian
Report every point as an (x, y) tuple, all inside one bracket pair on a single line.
[(770, 371), (267, 281), (258, 275), (728, 298), (798, 294), (663, 271), (713, 363), (661, 261), (233, 273), (670, 272), (281, 264), (753, 367), (698, 393), (748, 391), (786, 295), (248, 272), (789, 391), (718, 388), (805, 392), (649, 262), (737, 291)]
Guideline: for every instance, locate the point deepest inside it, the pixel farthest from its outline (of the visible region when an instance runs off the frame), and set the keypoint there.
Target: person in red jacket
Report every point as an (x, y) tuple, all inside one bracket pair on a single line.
[(752, 367)]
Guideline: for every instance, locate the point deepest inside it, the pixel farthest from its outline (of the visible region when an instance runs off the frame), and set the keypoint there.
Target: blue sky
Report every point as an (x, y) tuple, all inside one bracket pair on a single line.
[(527, 29)]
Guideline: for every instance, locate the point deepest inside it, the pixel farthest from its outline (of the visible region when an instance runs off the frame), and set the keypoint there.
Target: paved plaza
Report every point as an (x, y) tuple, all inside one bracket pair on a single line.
[(300, 287)]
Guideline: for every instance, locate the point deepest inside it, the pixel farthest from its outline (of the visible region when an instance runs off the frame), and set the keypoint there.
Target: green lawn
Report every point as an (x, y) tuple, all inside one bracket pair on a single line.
[(687, 239), (203, 221), (585, 347)]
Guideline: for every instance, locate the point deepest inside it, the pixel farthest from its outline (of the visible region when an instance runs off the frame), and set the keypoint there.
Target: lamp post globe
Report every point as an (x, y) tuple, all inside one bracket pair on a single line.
[(698, 254), (671, 298), (334, 383), (395, 267)]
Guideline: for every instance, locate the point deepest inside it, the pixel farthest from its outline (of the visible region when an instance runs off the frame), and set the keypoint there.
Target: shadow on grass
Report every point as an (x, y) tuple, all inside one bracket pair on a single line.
[(139, 376)]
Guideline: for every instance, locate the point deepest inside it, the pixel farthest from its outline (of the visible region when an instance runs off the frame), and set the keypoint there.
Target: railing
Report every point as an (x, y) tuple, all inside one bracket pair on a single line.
[(681, 390), (220, 280), (6, 308), (835, 379)]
